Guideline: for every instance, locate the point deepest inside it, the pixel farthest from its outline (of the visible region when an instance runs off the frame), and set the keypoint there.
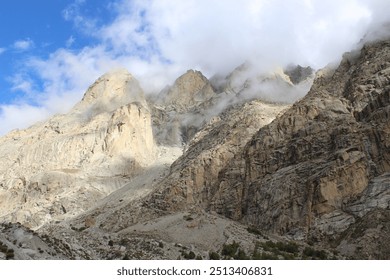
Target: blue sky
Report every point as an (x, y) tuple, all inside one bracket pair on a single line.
[(26, 28), (52, 50), (37, 29)]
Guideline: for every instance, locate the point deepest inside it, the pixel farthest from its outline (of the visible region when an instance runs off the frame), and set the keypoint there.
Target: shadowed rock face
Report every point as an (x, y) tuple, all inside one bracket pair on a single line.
[(298, 73), (194, 175)]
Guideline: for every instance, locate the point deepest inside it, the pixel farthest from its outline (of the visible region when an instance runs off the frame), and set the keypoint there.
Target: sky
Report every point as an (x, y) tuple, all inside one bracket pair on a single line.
[(52, 50)]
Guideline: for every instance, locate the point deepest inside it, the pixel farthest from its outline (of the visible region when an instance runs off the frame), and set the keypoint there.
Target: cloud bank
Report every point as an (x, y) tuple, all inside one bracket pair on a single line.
[(159, 40)]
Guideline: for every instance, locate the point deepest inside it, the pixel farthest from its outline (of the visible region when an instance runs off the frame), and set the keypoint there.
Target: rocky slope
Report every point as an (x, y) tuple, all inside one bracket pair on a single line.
[(189, 182)]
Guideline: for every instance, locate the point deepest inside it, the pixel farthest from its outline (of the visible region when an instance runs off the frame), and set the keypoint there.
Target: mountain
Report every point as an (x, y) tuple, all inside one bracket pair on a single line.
[(209, 168), (322, 166), (61, 167), (319, 171)]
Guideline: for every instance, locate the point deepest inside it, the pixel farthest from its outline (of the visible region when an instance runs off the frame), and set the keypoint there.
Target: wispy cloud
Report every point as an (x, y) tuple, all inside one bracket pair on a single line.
[(21, 83), (23, 45), (70, 41), (2, 50), (74, 14)]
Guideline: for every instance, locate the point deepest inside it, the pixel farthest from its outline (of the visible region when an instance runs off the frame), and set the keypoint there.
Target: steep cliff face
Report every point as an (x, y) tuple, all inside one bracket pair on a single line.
[(61, 167), (194, 175), (314, 171)]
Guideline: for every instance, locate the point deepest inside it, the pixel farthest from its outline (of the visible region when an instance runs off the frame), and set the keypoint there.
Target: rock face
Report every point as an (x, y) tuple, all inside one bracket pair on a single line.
[(63, 166), (298, 74), (324, 164), (189, 91), (194, 175)]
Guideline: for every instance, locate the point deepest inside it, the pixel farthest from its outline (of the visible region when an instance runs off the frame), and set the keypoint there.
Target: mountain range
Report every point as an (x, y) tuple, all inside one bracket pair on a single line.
[(289, 164)]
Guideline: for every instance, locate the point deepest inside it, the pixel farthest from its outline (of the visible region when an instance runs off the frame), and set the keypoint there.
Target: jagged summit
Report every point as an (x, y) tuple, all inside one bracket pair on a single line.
[(182, 108), (298, 74), (112, 90), (249, 81), (188, 91)]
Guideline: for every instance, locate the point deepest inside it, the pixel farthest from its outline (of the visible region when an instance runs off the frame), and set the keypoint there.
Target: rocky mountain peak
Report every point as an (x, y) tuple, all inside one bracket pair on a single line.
[(189, 90), (63, 166), (298, 73), (111, 91)]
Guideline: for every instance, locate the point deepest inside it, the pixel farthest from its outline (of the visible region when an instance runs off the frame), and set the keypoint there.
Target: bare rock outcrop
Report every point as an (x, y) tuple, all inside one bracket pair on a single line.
[(194, 174), (298, 74)]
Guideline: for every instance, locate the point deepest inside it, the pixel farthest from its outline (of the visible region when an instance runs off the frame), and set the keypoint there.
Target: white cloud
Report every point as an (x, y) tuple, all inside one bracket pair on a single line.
[(23, 45), (216, 36), (18, 115), (2, 50), (73, 14), (157, 40), (21, 83), (70, 41)]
